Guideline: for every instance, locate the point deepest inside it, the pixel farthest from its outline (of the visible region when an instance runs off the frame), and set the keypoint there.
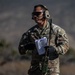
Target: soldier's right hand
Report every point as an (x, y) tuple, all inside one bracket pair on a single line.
[(30, 46), (24, 48)]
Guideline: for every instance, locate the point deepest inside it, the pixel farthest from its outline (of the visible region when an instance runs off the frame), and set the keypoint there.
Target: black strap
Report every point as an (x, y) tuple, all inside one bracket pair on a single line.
[(51, 29)]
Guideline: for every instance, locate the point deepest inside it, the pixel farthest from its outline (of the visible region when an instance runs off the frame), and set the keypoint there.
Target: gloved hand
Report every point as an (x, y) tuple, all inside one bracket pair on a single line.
[(24, 48), (30, 46), (52, 53)]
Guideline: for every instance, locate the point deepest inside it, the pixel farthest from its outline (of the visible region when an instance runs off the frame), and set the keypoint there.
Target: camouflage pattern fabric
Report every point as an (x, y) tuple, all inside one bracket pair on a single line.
[(59, 40)]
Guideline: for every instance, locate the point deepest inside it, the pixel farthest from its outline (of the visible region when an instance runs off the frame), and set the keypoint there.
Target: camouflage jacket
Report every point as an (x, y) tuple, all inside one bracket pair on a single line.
[(59, 40)]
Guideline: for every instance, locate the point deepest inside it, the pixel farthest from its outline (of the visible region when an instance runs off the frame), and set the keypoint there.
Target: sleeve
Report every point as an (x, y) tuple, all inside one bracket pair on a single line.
[(62, 41), (26, 43), (22, 43)]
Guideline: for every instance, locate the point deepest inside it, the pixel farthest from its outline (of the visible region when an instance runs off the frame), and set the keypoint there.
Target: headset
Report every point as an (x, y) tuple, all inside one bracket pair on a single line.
[(46, 14)]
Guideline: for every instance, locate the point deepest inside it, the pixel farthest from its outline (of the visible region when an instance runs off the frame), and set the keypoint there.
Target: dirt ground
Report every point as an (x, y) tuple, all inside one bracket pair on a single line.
[(68, 69), (21, 67)]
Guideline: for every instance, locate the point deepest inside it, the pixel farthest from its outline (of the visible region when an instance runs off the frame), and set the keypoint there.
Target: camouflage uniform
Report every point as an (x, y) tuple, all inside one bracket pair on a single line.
[(58, 40)]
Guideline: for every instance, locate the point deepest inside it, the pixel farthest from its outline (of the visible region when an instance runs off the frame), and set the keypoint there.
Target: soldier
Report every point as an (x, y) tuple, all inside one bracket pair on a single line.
[(58, 42)]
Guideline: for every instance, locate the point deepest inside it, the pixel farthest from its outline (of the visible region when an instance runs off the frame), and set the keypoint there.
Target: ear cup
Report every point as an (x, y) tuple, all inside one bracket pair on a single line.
[(47, 15), (46, 12)]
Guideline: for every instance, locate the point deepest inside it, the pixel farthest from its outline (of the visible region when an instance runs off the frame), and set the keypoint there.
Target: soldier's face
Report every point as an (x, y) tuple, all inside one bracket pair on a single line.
[(38, 15)]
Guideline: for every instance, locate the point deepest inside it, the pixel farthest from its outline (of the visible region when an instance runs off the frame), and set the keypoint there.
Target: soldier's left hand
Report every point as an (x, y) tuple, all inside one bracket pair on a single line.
[(52, 53)]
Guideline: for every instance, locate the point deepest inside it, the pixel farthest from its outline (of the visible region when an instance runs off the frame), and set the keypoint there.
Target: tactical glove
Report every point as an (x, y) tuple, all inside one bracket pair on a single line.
[(24, 48), (30, 46), (51, 52)]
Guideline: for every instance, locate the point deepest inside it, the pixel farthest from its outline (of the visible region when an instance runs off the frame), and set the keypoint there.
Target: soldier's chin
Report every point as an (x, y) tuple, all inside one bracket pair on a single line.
[(39, 21)]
